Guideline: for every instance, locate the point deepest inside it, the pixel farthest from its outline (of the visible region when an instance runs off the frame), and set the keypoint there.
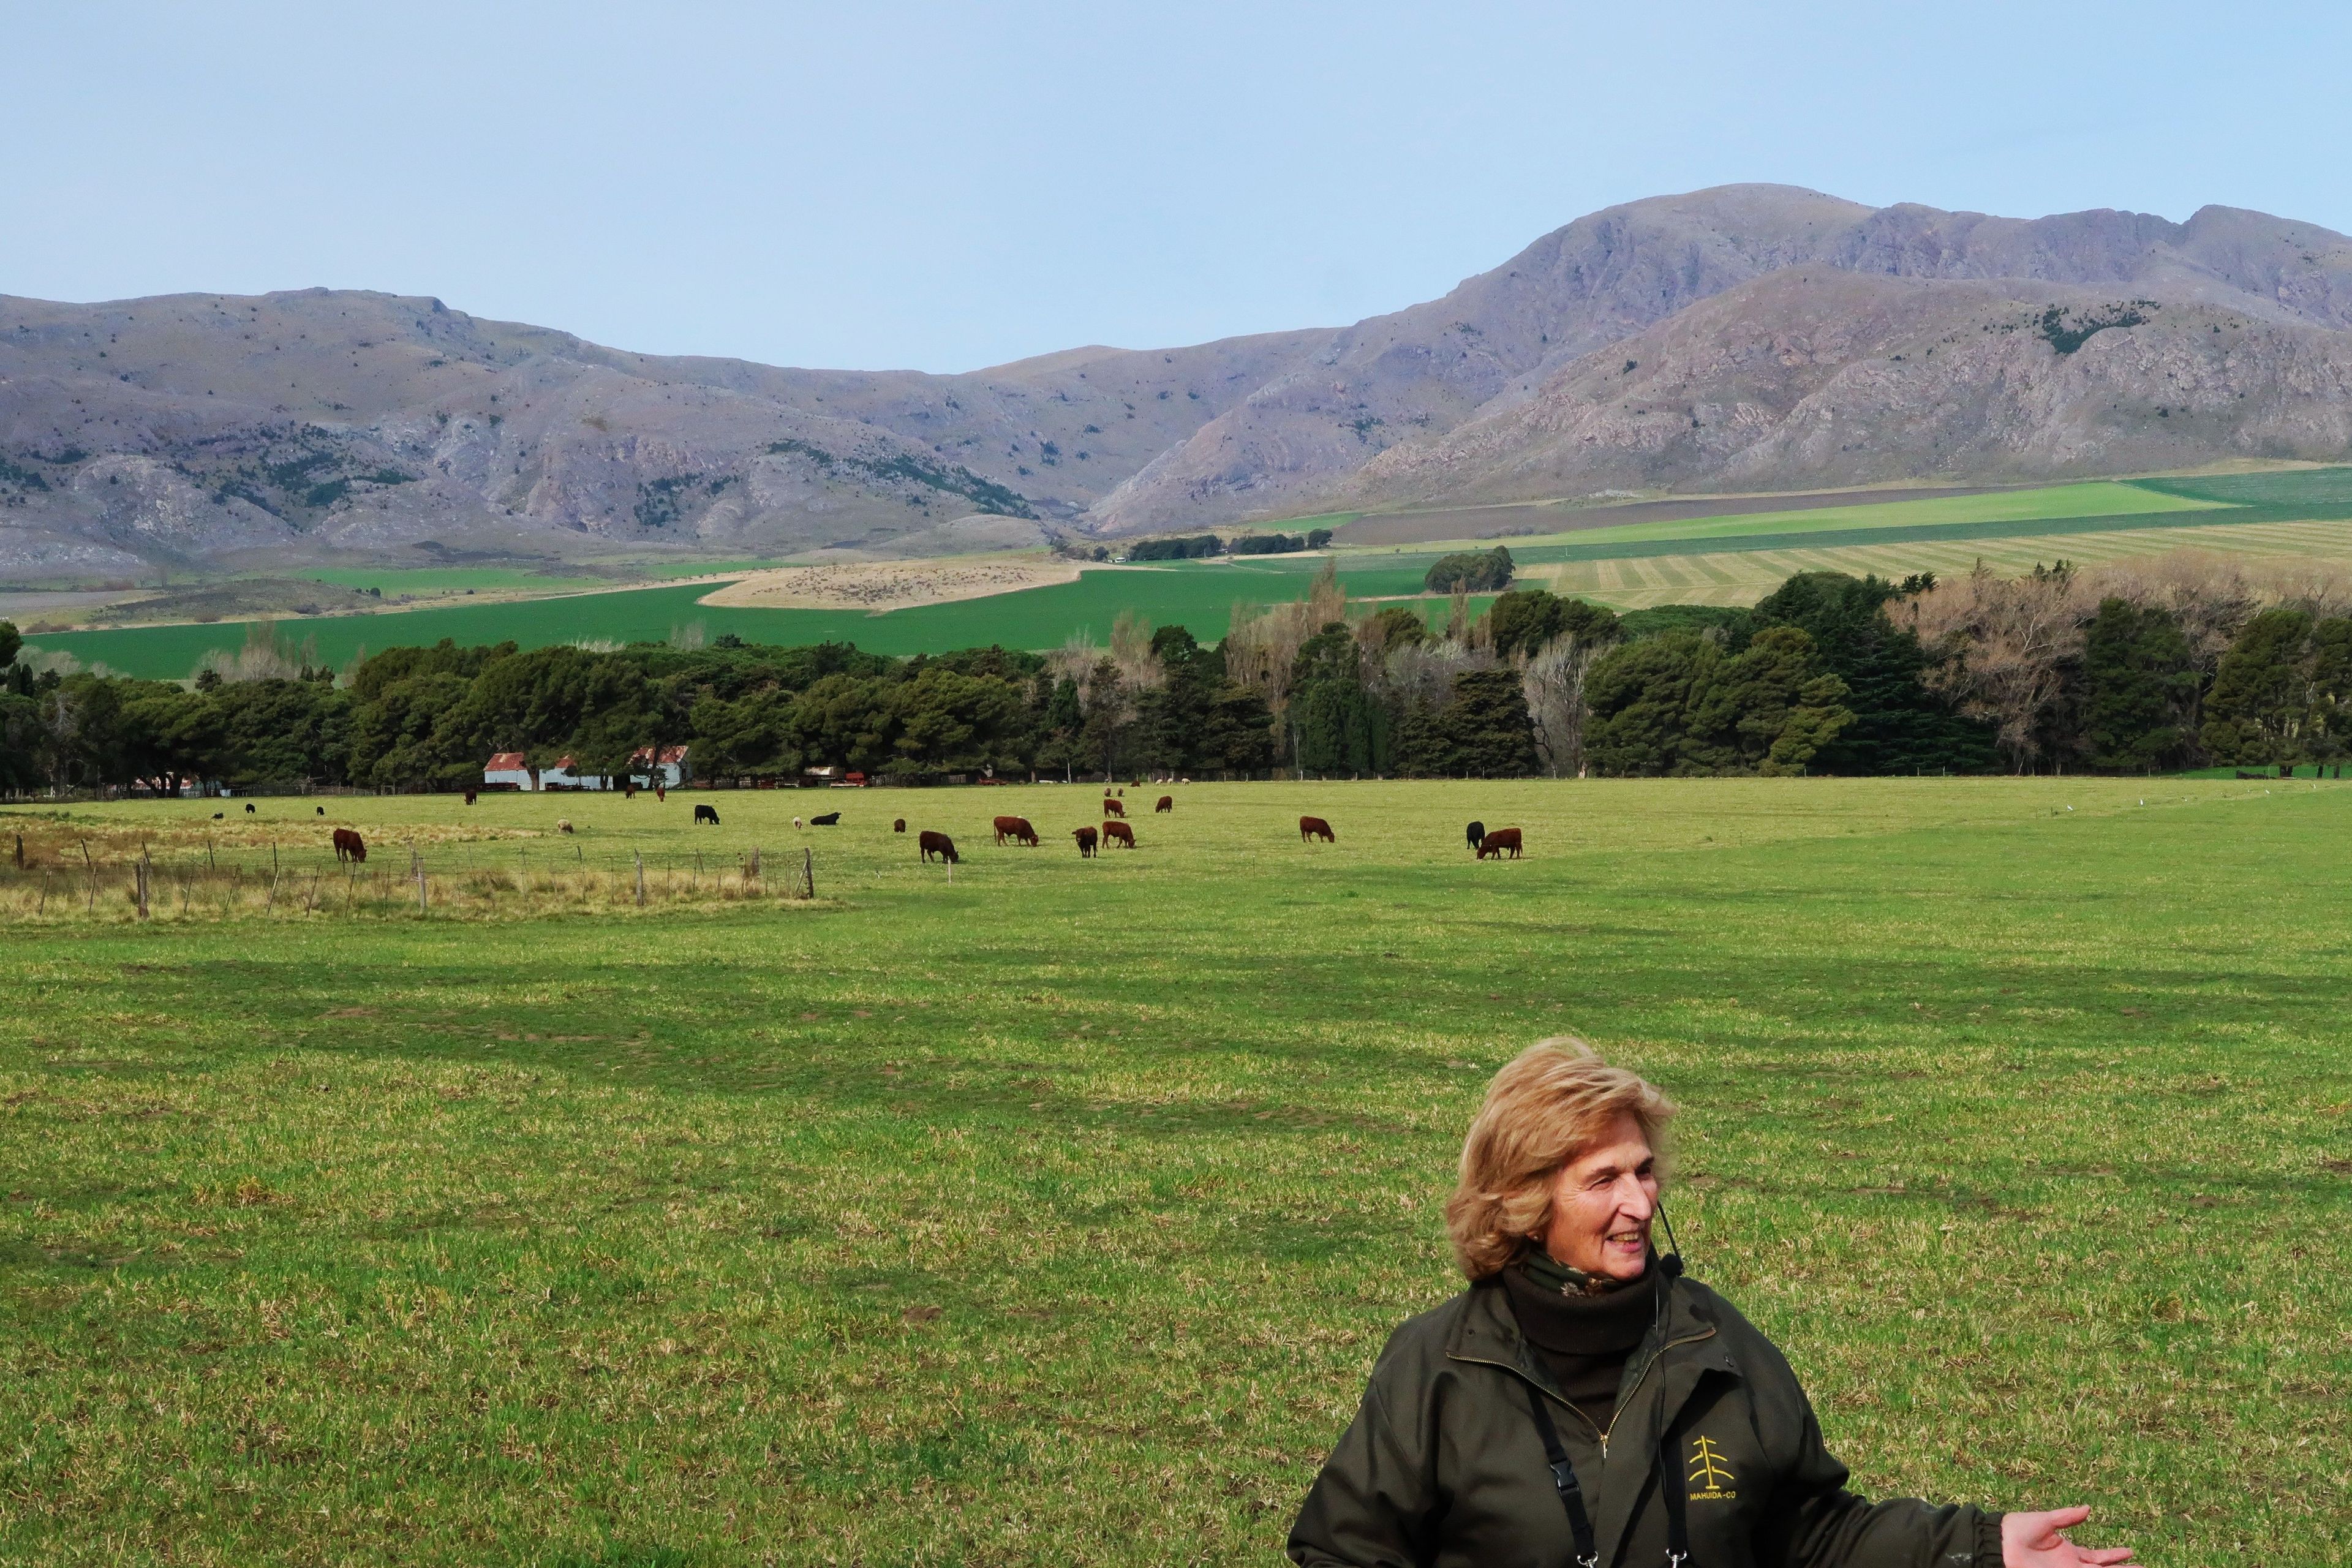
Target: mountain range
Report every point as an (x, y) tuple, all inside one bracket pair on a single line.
[(1744, 338)]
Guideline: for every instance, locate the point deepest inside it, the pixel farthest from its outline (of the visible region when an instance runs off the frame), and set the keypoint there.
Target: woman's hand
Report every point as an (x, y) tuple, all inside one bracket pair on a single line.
[(2038, 1541)]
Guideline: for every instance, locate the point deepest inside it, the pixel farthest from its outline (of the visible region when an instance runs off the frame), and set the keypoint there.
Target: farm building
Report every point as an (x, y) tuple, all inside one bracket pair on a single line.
[(560, 776), (667, 769), (509, 770)]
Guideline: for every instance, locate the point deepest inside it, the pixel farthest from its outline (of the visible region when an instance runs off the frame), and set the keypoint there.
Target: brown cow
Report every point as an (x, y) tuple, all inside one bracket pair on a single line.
[(1167, 803), (1315, 827), (898, 824), (1017, 828), (1085, 838), (350, 846), (1497, 841), (939, 844), (1117, 833), (1112, 807), (469, 797)]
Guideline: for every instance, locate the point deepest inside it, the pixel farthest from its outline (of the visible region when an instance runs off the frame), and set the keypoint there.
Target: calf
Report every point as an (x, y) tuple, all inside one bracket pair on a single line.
[(708, 813), (1167, 803), (939, 844), (350, 846), (1476, 831), (1499, 841), (830, 819), (898, 824), (1117, 833), (1315, 827), (563, 824), (1112, 807), (1017, 828), (1085, 838)]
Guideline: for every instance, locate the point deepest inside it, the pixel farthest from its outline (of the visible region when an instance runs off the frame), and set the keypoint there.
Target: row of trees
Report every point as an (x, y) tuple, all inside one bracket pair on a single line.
[(2181, 663)]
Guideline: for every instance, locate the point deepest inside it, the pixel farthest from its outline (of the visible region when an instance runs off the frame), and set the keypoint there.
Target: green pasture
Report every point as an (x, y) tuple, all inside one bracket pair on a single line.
[(1053, 1213), (438, 579), (1200, 597), (1201, 594), (2100, 499)]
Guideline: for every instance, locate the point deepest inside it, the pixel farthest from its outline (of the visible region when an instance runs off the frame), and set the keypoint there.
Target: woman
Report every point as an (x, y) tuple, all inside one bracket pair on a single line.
[(1583, 1403)]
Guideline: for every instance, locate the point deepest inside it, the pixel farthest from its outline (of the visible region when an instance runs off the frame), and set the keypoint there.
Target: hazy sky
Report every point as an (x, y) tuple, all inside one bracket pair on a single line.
[(946, 186)]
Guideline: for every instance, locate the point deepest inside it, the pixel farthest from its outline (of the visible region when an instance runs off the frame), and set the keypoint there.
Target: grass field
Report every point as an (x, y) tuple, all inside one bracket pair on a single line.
[(1054, 1212), (2297, 514), (1200, 597)]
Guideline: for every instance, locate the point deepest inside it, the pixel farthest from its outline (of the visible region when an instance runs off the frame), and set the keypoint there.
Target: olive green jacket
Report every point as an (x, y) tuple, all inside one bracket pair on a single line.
[(1443, 1467)]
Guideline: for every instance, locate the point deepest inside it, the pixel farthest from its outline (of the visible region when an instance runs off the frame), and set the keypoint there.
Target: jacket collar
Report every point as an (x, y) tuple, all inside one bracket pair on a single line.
[(1681, 1350)]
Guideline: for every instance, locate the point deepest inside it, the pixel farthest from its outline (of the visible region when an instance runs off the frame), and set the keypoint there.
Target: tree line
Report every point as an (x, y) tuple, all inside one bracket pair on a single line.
[(2183, 663)]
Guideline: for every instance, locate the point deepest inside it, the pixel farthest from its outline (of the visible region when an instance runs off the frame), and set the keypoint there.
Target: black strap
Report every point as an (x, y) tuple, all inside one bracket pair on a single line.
[(1675, 1479), (1563, 1478), (1672, 1477)]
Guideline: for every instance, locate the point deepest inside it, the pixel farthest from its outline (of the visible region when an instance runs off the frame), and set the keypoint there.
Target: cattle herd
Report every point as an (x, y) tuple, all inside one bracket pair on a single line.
[(1486, 843)]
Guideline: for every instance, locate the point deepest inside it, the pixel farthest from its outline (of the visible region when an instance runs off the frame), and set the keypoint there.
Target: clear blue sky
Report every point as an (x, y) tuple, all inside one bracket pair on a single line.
[(946, 186)]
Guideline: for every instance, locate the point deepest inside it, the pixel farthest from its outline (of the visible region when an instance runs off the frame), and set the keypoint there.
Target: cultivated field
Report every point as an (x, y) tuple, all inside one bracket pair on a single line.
[(1054, 1213), (934, 607)]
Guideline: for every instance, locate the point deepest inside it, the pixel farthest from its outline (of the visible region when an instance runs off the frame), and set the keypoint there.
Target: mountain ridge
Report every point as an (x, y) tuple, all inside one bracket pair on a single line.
[(219, 431)]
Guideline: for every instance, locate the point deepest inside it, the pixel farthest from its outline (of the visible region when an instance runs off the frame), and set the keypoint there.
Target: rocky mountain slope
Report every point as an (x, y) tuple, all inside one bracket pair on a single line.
[(1747, 338)]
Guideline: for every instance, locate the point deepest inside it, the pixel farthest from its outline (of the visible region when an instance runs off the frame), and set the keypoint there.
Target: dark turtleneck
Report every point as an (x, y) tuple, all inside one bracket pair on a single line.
[(1582, 1336)]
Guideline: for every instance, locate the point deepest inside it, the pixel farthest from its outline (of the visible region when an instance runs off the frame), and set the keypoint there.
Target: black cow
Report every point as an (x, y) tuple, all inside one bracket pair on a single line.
[(322, 811), (248, 808), (830, 819), (1478, 832), (708, 813)]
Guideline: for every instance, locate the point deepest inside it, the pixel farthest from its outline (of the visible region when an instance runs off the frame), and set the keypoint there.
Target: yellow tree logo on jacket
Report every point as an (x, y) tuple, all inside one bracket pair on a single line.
[(1711, 1478)]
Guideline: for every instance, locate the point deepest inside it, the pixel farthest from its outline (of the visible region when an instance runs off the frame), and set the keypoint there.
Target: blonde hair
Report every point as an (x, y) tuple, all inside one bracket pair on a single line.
[(1547, 1107)]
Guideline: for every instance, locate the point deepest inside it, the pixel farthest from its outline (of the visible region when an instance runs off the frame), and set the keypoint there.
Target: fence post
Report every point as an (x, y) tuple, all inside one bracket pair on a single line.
[(755, 862), (420, 880), (808, 873), (641, 877), (139, 880)]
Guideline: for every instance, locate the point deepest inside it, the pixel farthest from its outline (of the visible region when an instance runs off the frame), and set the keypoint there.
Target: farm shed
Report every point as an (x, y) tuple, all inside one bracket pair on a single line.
[(509, 770)]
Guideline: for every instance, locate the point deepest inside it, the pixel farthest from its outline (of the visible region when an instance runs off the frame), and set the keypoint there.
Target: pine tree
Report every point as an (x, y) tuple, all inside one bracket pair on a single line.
[(2140, 679), (2262, 692)]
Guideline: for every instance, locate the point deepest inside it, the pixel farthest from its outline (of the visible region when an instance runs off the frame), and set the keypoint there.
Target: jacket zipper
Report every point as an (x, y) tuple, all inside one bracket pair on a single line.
[(1643, 1376)]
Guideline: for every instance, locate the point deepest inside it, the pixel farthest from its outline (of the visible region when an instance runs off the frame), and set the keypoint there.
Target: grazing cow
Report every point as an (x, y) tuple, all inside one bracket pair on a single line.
[(248, 804), (1499, 841), (830, 819), (563, 824), (322, 811), (898, 824), (350, 846), (939, 844), (1112, 807), (1476, 831), (469, 797), (708, 813), (1117, 833), (1315, 827), (218, 815), (1167, 803), (1017, 828), (1085, 838), (661, 792)]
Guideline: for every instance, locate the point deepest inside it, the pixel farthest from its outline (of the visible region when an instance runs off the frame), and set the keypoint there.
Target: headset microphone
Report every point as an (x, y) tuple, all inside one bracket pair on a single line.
[(1671, 1263)]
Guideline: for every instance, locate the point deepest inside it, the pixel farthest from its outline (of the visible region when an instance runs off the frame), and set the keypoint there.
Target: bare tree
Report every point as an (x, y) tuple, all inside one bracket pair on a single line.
[(2004, 643), (1553, 683)]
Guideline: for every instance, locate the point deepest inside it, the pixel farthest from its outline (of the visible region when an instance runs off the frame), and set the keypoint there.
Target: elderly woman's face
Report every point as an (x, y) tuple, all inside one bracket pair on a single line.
[(1601, 1204)]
